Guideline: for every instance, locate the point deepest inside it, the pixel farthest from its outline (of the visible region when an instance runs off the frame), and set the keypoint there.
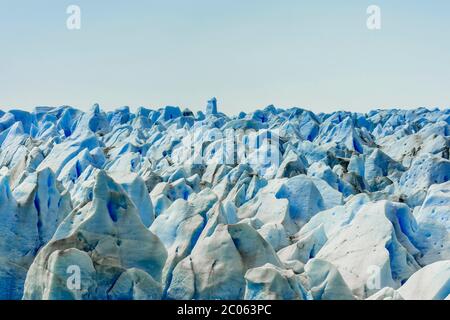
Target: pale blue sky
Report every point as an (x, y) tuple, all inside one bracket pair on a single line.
[(313, 54)]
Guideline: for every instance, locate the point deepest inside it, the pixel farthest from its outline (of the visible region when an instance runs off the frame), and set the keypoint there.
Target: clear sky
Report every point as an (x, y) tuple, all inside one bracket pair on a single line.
[(249, 53)]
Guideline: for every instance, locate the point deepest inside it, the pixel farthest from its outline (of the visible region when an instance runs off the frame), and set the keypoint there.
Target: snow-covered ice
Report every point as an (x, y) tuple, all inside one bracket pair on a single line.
[(273, 204)]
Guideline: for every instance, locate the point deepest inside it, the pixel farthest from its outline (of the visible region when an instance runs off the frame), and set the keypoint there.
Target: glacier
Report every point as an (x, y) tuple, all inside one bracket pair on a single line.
[(275, 204)]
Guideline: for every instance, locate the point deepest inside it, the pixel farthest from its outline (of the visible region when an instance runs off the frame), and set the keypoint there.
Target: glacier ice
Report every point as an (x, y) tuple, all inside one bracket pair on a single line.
[(325, 282), (269, 282), (216, 267), (378, 238), (386, 293), (177, 204), (434, 224), (430, 283), (30, 216), (107, 233)]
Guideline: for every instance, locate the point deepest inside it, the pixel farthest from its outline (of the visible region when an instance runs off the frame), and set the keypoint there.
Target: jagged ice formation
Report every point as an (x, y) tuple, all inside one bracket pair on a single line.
[(274, 204)]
